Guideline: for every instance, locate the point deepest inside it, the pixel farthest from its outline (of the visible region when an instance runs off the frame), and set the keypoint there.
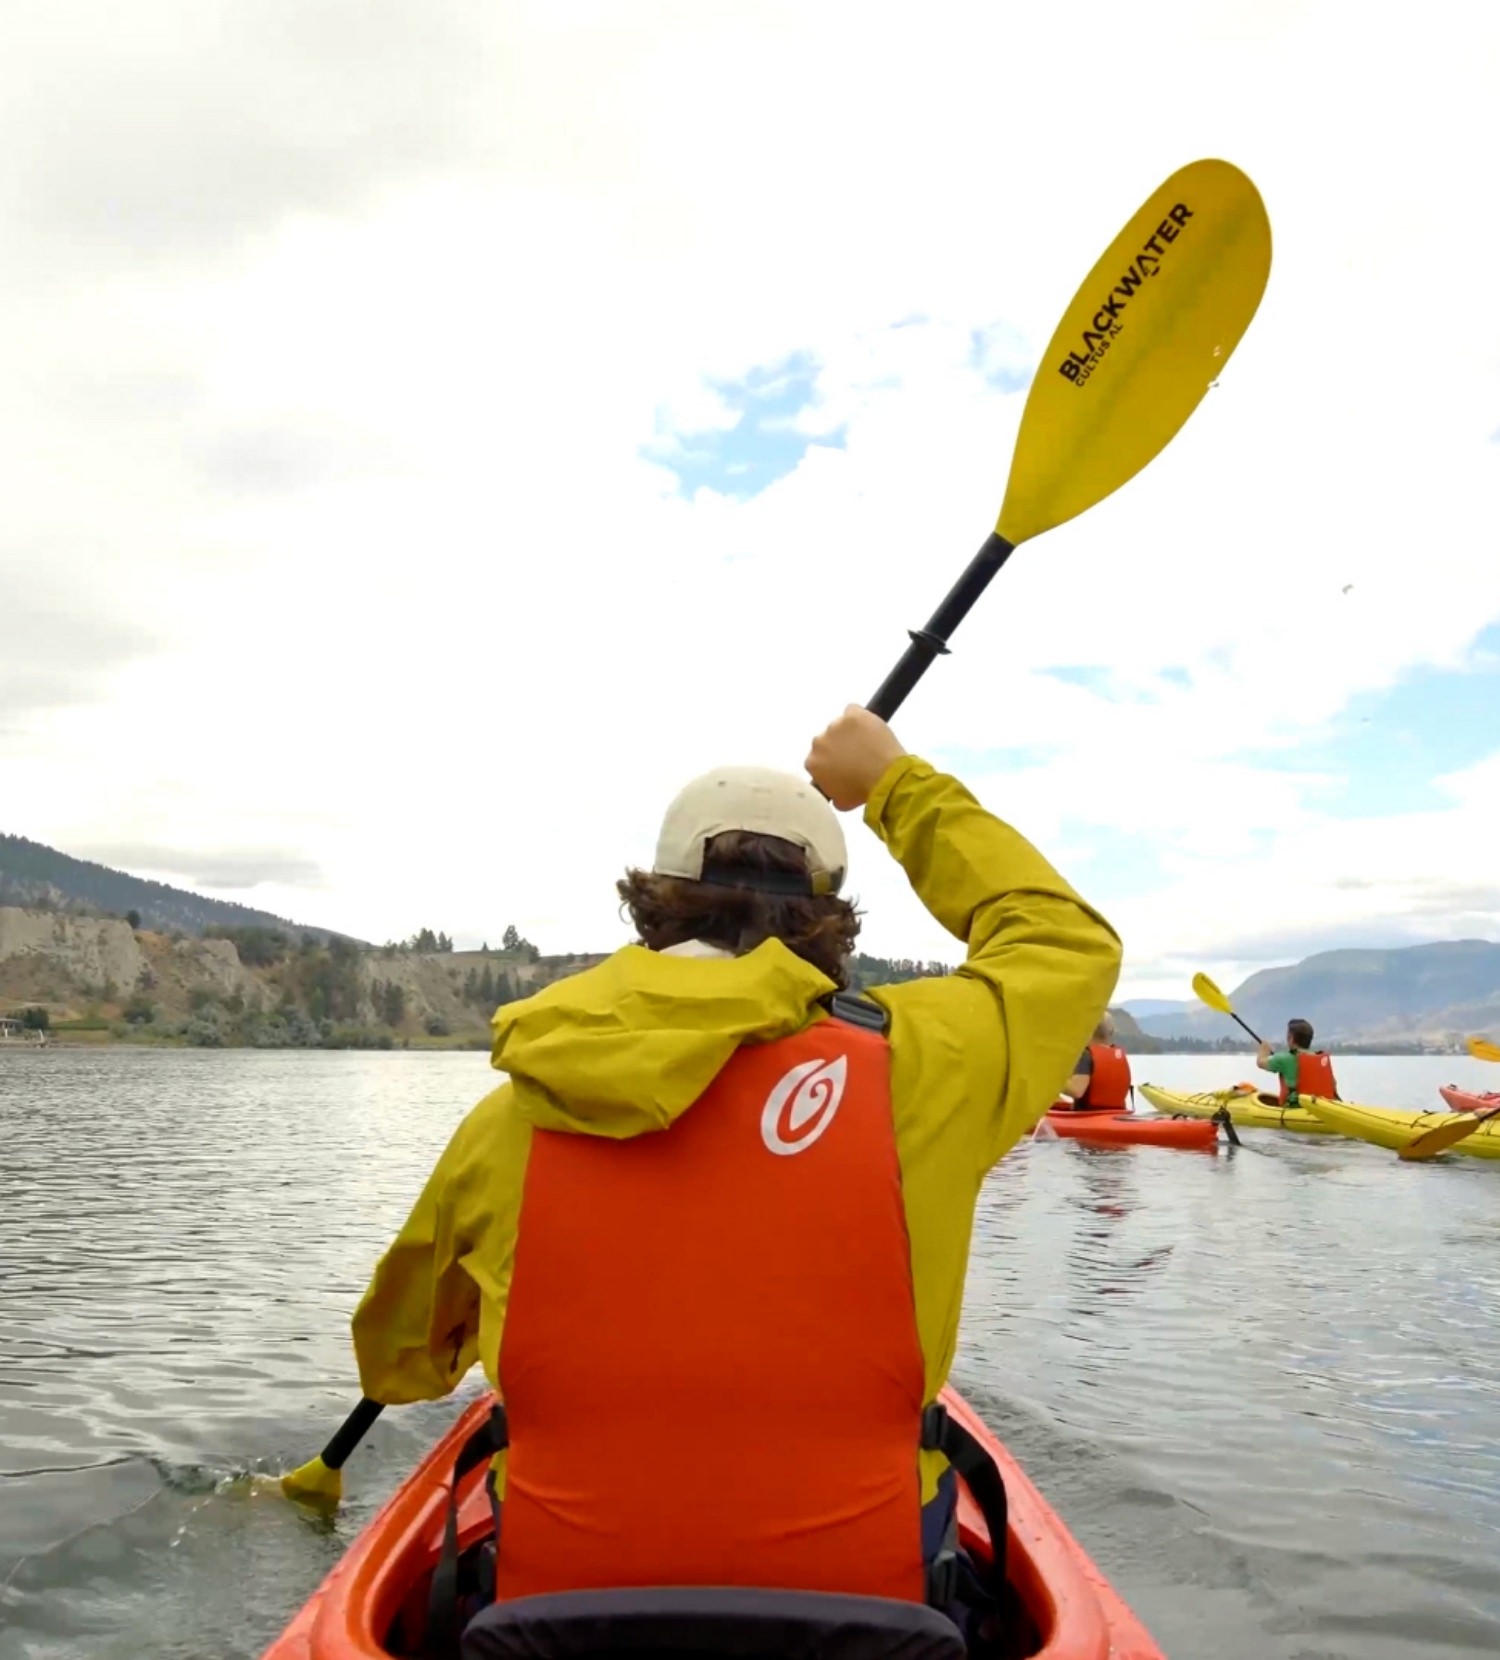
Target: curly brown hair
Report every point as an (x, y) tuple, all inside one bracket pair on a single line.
[(669, 910)]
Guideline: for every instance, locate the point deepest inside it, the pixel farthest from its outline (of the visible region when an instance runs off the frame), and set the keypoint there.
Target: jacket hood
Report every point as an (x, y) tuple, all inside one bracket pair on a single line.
[(628, 1046)]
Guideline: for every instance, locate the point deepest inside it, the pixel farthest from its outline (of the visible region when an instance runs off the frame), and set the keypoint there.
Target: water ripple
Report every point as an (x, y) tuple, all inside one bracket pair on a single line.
[(1262, 1388)]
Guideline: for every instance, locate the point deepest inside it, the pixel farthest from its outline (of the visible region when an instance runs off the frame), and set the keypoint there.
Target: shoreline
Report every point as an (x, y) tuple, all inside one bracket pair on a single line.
[(472, 1042), (108, 1040)]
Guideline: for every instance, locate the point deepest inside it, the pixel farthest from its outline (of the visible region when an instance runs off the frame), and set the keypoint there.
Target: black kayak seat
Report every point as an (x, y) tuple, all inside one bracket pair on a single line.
[(692, 1621)]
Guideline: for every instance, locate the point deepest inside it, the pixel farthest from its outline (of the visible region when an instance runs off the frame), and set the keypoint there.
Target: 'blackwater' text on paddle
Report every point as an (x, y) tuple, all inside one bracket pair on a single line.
[(1077, 366)]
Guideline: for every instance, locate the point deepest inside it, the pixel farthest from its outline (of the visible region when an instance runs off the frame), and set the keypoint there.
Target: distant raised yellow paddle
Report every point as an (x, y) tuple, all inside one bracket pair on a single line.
[(1207, 992), (1432, 1142)]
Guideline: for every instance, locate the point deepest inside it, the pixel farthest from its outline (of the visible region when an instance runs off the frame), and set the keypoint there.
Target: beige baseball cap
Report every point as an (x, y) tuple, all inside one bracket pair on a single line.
[(764, 802)]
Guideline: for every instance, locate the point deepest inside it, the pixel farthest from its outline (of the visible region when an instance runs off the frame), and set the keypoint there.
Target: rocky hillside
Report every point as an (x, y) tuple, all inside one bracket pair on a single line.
[(1134, 1041), (1130, 1037), (97, 978), (96, 954)]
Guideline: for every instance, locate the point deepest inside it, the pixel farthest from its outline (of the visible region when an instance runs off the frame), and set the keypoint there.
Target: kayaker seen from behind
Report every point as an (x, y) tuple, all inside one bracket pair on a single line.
[(709, 1240), (1302, 1069), (1101, 1080)]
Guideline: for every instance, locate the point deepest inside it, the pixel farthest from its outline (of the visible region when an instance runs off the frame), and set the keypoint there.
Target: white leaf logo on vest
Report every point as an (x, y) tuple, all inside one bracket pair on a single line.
[(802, 1105)]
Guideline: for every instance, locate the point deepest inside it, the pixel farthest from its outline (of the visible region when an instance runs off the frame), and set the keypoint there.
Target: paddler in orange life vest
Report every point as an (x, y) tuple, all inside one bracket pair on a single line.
[(1102, 1077), (1302, 1069), (708, 1242)]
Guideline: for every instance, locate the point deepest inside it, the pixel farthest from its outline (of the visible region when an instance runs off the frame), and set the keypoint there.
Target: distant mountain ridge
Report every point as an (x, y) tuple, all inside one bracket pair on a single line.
[(1415, 993), (1144, 1008), (34, 875), (1130, 1037)]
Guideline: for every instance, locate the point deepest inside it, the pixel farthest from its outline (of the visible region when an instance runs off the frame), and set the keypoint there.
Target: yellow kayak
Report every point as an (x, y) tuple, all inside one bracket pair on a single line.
[(1246, 1109), (1392, 1127)]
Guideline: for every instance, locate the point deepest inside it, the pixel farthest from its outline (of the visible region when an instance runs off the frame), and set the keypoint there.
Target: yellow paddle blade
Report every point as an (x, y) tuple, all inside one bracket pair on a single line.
[(1145, 337), (1484, 1051), (314, 1484), (1432, 1142), (1207, 992)]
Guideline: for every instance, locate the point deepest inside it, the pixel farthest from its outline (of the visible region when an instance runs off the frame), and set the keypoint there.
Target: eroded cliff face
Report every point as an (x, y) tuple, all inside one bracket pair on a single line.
[(75, 966), (80, 949), (67, 964)]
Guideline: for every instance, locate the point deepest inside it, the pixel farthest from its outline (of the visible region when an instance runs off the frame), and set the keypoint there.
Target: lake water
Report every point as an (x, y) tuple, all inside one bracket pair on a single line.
[(1262, 1388)]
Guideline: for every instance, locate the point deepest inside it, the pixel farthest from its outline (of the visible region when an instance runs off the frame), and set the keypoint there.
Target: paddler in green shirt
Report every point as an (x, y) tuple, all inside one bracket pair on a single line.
[(1301, 1069)]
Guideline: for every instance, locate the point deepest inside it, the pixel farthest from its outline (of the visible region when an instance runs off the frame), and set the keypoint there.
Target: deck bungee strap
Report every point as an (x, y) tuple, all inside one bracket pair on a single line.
[(444, 1616)]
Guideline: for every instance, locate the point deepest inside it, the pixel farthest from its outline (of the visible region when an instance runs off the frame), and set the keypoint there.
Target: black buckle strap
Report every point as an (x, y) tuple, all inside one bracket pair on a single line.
[(981, 1475), (942, 1579), (443, 1624), (855, 1009)]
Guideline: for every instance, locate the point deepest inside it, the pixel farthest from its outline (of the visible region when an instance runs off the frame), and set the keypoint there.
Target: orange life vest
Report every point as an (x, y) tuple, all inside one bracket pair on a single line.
[(710, 1363), (1314, 1076), (1109, 1083)]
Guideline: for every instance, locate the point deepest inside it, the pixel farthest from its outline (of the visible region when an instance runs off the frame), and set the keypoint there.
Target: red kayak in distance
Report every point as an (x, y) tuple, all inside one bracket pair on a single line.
[(1128, 1129), (370, 1607), (1468, 1100)]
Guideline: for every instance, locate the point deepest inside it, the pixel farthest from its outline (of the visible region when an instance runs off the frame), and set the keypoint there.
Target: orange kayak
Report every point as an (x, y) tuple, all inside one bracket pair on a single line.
[(1104, 1124), (1468, 1100), (380, 1586)]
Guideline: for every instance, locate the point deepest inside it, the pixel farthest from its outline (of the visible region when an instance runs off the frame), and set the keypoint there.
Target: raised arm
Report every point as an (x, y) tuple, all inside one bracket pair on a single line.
[(1040, 964)]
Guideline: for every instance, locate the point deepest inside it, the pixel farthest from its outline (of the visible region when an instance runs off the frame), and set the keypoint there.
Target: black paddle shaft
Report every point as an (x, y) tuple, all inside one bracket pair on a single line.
[(1258, 1038), (350, 1433), (932, 641)]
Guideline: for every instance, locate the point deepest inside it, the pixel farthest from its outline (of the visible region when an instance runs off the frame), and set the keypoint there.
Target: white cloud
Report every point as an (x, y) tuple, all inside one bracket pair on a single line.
[(335, 342)]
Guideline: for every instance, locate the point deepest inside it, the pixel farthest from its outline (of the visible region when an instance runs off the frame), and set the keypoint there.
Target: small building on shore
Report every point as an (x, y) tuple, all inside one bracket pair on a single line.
[(17, 1032)]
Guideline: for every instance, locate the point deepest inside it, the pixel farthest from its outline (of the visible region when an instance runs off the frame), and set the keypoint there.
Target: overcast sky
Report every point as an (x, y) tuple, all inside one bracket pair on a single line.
[(431, 433)]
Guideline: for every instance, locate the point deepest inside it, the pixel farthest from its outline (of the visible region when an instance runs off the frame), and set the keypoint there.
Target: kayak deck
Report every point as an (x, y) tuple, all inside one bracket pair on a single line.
[(384, 1575), (1118, 1128), (1247, 1110), (1393, 1128)]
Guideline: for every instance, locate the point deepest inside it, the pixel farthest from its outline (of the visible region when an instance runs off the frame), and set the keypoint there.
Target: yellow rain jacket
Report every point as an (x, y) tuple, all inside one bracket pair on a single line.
[(627, 1047)]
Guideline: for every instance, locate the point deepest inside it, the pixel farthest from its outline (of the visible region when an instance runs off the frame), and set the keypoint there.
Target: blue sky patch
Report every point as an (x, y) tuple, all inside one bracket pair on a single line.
[(976, 763), (764, 443), (1103, 682), (1087, 675), (1386, 748), (1122, 864), (1002, 356)]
